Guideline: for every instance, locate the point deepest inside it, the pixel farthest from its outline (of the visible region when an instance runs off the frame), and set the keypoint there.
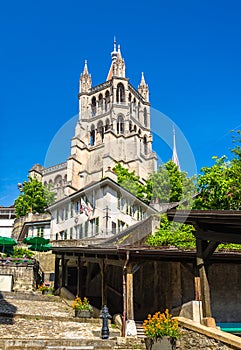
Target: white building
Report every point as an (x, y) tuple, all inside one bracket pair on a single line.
[(100, 210), (7, 216)]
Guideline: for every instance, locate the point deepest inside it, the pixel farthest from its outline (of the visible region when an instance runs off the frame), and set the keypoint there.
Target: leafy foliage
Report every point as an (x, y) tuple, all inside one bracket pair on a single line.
[(34, 197), (169, 184), (19, 252), (219, 185), (173, 234), (130, 181)]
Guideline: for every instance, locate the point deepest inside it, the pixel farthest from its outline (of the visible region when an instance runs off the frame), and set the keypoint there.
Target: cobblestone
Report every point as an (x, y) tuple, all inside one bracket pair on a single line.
[(42, 319)]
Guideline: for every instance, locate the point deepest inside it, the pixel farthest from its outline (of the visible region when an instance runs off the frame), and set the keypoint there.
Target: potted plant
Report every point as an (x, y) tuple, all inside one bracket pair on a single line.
[(82, 307), (45, 288), (161, 331)]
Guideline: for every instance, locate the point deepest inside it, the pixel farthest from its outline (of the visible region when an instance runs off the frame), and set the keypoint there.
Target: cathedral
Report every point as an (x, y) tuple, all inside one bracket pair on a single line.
[(113, 126)]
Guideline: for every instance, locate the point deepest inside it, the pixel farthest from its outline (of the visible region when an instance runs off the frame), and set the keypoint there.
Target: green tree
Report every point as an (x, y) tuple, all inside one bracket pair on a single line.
[(219, 185), (169, 184), (34, 197), (130, 181)]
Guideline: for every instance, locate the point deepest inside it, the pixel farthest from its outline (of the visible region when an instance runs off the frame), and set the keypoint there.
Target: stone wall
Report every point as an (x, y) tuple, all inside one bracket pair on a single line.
[(199, 337), (23, 276)]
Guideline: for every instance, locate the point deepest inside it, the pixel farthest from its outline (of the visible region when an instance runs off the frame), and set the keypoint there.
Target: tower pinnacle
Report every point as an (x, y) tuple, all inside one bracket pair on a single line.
[(174, 151), (143, 88), (85, 79)]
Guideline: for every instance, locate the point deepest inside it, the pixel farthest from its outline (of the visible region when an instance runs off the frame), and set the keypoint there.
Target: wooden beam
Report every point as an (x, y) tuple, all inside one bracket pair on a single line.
[(206, 299), (103, 271), (129, 293), (210, 249)]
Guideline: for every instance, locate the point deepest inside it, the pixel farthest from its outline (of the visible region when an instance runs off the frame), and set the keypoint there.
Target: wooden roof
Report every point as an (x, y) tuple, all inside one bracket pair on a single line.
[(222, 226)]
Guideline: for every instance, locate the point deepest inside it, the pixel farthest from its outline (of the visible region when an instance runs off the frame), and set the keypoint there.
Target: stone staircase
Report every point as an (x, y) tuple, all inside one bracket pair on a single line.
[(35, 322)]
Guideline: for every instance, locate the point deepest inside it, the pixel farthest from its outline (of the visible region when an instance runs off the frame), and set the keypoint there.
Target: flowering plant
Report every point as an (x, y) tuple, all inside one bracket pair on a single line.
[(160, 325), (81, 304), (45, 286)]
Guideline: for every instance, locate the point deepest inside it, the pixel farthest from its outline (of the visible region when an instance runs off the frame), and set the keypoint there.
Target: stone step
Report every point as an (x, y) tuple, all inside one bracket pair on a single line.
[(70, 347)]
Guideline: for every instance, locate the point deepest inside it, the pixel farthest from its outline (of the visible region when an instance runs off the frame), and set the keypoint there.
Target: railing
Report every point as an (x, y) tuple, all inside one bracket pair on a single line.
[(55, 167)]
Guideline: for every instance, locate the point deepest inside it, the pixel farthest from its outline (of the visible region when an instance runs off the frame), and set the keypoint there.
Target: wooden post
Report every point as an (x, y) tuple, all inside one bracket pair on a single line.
[(56, 273), (197, 289), (78, 276), (103, 270), (129, 293), (205, 289), (63, 271)]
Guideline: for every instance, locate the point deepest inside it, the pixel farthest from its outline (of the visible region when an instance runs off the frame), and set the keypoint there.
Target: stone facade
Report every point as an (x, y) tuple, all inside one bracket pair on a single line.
[(22, 274), (113, 126)]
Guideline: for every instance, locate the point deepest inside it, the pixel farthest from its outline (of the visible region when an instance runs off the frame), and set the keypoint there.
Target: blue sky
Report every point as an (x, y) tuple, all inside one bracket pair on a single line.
[(189, 50)]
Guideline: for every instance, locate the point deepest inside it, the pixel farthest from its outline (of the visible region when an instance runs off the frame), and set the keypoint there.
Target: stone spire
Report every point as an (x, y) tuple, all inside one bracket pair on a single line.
[(174, 151), (117, 67), (143, 88), (85, 80)]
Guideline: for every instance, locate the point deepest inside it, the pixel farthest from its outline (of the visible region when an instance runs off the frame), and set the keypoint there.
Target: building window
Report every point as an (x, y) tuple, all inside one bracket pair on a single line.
[(93, 106), (76, 231), (120, 93), (92, 135), (65, 234), (145, 117), (100, 129), (107, 100), (120, 125), (145, 145), (101, 103), (57, 236), (57, 216), (86, 229), (113, 226), (40, 231), (71, 233), (94, 226), (71, 209), (121, 225), (107, 124), (80, 231)]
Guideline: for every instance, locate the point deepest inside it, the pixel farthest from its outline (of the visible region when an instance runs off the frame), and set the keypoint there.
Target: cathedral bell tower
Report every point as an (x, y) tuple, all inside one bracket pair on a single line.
[(113, 126)]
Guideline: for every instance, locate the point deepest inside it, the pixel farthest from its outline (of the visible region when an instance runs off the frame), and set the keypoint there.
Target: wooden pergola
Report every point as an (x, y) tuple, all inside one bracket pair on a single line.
[(212, 227)]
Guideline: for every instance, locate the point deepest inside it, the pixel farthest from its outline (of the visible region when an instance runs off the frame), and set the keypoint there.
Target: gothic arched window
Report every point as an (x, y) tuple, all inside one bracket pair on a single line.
[(93, 106), (107, 100), (138, 110), (100, 129), (145, 145), (145, 116), (107, 124), (134, 108), (101, 105), (120, 93), (130, 125), (120, 125), (92, 135)]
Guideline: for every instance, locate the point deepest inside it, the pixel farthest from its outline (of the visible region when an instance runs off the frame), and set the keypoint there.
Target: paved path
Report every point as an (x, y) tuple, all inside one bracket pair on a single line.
[(42, 319)]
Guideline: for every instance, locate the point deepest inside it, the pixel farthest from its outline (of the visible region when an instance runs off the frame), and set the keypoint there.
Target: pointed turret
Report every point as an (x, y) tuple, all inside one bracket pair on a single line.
[(117, 67), (143, 88), (174, 151), (85, 80)]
